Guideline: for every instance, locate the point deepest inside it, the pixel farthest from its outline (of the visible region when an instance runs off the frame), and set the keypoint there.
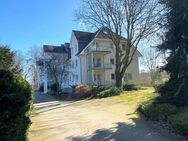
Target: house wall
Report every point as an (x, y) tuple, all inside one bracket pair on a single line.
[(132, 70), (75, 69), (83, 68)]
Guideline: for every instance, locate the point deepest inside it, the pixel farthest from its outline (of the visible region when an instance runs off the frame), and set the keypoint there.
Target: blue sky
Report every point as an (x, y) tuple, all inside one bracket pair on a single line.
[(25, 23)]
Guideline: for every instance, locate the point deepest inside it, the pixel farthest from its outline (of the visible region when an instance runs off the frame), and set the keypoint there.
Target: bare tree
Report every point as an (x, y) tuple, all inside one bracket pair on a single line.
[(57, 68), (152, 60), (29, 64), (136, 20)]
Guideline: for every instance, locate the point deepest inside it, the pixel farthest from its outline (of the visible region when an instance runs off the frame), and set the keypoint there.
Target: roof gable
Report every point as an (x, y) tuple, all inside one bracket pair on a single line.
[(83, 38)]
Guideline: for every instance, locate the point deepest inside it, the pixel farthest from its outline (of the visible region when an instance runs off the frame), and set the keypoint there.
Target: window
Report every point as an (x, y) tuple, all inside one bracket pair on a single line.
[(112, 47), (112, 61), (76, 78), (98, 62), (97, 45), (123, 46), (72, 77), (113, 76), (99, 77), (105, 32), (95, 77), (130, 76)]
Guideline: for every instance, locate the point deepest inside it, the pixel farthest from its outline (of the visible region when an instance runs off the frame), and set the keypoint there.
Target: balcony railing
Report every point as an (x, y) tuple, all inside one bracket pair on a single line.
[(99, 49), (101, 66)]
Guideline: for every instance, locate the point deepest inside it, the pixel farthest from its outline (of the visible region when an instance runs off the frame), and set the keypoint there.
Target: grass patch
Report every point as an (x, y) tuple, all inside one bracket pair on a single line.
[(142, 95)]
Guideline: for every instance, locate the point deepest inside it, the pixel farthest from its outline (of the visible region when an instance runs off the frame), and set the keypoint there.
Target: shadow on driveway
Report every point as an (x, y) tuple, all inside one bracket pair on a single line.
[(41, 98), (129, 132)]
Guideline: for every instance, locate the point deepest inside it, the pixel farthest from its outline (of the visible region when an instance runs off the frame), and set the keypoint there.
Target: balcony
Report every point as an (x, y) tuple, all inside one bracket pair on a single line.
[(99, 66), (100, 50)]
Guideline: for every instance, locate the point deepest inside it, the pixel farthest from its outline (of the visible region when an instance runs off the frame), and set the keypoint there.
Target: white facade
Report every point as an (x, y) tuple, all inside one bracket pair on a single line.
[(96, 63), (45, 77), (92, 62), (74, 62)]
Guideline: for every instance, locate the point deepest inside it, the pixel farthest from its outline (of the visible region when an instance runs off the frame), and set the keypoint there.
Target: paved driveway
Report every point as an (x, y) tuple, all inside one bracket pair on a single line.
[(94, 120)]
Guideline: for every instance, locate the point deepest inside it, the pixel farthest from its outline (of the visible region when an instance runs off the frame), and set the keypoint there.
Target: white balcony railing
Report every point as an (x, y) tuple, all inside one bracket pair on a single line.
[(99, 48), (101, 66), (102, 48)]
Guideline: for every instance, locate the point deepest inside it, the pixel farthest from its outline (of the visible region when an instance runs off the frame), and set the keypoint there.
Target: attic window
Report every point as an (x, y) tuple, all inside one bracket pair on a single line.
[(105, 32)]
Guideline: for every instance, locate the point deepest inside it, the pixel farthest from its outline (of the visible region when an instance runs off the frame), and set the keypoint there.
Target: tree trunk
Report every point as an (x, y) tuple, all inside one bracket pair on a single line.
[(118, 79), (117, 69)]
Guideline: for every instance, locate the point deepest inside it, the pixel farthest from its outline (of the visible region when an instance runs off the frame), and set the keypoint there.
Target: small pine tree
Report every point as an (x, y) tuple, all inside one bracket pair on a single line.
[(176, 44)]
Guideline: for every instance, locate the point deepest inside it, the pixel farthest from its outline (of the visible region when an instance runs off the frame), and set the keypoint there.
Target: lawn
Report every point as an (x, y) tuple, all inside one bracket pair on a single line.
[(142, 95)]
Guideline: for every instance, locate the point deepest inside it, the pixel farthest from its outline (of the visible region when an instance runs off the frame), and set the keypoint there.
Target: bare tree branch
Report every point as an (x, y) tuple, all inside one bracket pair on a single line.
[(136, 20)]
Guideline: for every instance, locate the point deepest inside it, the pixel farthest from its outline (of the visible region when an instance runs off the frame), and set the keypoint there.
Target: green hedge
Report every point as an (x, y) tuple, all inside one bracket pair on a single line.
[(130, 87), (177, 117), (180, 121), (15, 105), (109, 92), (96, 89), (158, 111)]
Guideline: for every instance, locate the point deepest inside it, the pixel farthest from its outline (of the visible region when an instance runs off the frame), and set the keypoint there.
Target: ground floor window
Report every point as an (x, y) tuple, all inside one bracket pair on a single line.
[(128, 76), (112, 61), (112, 76)]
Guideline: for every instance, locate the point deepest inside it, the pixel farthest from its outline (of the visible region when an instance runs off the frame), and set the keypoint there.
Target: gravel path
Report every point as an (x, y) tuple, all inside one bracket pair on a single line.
[(94, 120)]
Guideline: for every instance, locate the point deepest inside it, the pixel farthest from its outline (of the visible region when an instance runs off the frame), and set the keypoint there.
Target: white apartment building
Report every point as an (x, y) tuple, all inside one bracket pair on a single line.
[(91, 58), (50, 60)]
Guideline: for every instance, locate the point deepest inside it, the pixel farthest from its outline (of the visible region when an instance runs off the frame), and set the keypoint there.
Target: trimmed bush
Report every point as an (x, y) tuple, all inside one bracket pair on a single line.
[(130, 87), (96, 89), (180, 121), (82, 91), (15, 105), (109, 92), (157, 111)]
